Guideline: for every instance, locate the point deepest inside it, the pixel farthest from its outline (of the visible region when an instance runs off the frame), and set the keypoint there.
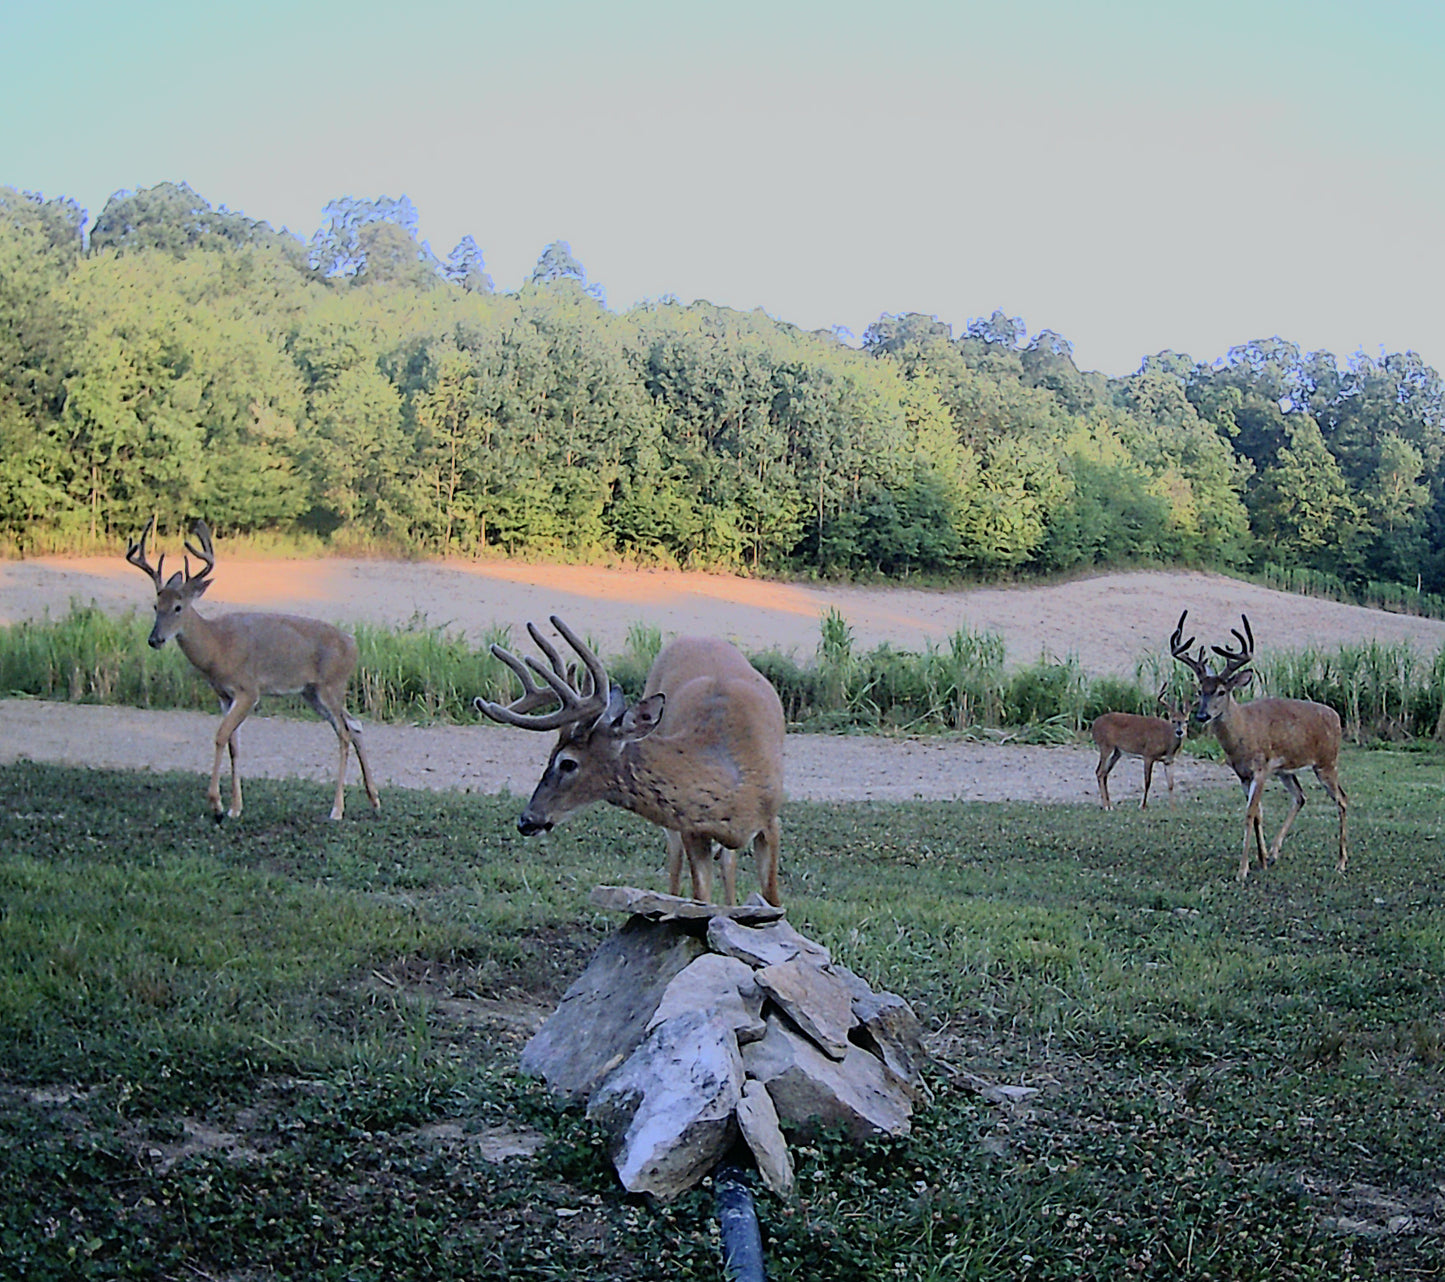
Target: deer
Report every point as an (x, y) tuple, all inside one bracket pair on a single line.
[(246, 655), (700, 753), (1155, 739), (1264, 737)]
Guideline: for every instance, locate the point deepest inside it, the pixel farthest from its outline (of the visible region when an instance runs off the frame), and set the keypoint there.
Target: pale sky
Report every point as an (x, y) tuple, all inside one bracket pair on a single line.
[(1135, 176)]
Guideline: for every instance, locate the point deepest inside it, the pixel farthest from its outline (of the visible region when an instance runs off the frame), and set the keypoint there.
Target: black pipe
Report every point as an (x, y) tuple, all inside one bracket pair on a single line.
[(742, 1240)]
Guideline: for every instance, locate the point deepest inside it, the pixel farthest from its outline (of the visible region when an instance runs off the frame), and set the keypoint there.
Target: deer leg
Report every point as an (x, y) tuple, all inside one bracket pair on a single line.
[(1327, 776), (331, 704), (1107, 759), (1253, 822), (321, 705), (729, 861), (674, 862), (1297, 799), (699, 863), (765, 849), (371, 793), (237, 710), (1148, 778)]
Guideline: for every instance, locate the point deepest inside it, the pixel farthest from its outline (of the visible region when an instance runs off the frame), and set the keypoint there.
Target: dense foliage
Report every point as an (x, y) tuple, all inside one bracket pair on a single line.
[(186, 360)]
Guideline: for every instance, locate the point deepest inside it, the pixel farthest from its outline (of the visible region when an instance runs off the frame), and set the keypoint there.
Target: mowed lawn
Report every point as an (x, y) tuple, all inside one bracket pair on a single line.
[(286, 1048)]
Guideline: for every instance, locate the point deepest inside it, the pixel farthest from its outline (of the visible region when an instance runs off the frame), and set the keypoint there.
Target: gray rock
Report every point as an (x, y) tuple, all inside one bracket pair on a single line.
[(758, 1121), (767, 945), (603, 1016), (888, 1027), (648, 903), (811, 1091), (670, 1109), (724, 988), (815, 1000)]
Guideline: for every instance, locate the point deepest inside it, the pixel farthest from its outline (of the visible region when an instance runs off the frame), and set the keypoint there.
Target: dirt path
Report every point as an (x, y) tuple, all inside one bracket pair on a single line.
[(486, 759), (1108, 623)]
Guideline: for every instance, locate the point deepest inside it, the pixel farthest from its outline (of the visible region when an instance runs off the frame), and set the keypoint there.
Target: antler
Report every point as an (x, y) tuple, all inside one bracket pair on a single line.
[(1180, 650), (135, 553), (578, 700), (1237, 659), (206, 553)]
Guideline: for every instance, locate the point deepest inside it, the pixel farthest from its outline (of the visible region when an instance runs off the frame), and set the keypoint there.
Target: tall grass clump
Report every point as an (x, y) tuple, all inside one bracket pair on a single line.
[(836, 664), (1380, 689), (422, 671), (1052, 698), (91, 657), (967, 683)]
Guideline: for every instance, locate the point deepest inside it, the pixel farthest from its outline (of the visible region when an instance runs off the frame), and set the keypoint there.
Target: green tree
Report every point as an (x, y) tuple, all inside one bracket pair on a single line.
[(1302, 509), (173, 219), (464, 267)]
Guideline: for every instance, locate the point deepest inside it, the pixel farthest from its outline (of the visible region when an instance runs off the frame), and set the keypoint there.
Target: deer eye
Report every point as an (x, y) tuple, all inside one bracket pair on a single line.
[(177, 608), (566, 766)]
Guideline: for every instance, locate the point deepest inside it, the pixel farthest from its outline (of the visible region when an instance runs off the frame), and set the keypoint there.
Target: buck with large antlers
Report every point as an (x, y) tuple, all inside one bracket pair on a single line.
[(701, 753), (244, 656), (1264, 737), (1126, 734)]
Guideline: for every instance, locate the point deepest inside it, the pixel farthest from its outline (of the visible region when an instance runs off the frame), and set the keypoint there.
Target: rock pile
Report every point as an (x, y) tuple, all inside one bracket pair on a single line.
[(694, 1025)]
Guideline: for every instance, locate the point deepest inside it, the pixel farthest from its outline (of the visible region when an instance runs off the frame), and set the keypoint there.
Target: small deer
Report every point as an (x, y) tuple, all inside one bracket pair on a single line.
[(244, 656), (701, 753), (1155, 739), (1264, 737)]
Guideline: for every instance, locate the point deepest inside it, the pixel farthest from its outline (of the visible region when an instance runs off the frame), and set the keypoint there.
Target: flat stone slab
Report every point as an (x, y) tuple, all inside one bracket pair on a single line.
[(812, 1091), (721, 987), (816, 1001), (768, 944), (648, 903)]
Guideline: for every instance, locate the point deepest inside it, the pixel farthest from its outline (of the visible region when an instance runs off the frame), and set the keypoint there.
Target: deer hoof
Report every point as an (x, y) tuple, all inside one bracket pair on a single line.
[(220, 817)]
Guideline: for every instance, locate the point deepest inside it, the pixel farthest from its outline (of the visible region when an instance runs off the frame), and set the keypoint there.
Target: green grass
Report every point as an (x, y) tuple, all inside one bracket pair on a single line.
[(1231, 1082), (421, 672)]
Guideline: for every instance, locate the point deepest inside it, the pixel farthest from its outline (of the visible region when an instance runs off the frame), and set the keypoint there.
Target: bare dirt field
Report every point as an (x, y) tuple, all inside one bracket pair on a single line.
[(1107, 622)]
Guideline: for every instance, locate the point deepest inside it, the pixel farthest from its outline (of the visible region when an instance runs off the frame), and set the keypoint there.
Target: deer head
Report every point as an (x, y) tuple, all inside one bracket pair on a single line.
[(174, 596), (1215, 690), (593, 722)]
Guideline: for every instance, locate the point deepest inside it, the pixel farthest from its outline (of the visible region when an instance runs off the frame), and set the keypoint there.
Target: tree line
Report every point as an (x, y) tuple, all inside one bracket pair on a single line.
[(184, 360)]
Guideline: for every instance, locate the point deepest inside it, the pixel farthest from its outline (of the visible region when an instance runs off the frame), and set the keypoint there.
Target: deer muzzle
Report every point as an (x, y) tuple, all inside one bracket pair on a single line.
[(529, 825)]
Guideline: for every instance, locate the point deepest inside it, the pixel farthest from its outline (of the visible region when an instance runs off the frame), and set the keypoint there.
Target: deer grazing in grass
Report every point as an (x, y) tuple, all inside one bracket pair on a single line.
[(1264, 737), (701, 753), (1125, 734), (244, 656)]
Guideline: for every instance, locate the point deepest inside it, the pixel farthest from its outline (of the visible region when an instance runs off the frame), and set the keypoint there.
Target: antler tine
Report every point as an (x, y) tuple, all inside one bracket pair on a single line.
[(206, 553), (1179, 648), (135, 553), (601, 687), (547, 648), (518, 712), (575, 702), (1237, 659)]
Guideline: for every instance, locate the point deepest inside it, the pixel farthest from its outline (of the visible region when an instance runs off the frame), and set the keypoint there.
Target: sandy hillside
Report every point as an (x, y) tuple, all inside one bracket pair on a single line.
[(1108, 622)]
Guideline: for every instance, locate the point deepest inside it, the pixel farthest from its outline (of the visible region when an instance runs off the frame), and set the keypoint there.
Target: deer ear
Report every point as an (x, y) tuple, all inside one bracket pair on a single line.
[(197, 587), (1241, 679), (644, 717)]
